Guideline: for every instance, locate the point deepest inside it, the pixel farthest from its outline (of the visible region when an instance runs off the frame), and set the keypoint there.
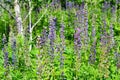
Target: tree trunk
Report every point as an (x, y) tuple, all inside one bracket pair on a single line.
[(18, 17), (30, 27)]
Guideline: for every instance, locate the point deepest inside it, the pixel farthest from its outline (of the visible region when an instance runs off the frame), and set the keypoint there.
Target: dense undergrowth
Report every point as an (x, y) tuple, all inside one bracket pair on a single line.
[(79, 41)]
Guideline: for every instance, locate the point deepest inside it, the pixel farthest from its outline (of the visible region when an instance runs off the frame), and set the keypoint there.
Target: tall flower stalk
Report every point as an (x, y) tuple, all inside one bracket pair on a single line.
[(82, 17), (52, 36), (114, 42), (6, 58), (82, 22), (4, 42), (39, 56), (104, 34), (93, 46), (78, 38), (77, 41), (113, 20), (51, 40), (104, 62), (62, 48), (86, 24), (13, 46), (42, 56), (77, 50)]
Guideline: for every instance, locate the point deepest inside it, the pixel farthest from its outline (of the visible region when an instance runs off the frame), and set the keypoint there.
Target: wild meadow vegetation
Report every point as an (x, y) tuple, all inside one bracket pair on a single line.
[(59, 39)]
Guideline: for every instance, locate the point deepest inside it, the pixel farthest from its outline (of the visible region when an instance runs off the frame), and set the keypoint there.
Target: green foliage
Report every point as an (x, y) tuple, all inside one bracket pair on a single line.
[(37, 64)]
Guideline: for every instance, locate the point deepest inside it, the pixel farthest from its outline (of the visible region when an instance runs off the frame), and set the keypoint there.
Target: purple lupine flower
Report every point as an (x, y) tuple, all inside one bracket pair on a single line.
[(82, 5), (6, 59), (106, 5), (13, 44), (111, 40), (77, 41), (86, 26), (4, 41), (82, 21), (62, 32), (78, 16), (104, 34), (78, 24), (13, 51), (62, 48), (77, 34), (82, 13), (14, 59), (44, 35), (113, 10), (69, 5), (93, 29), (101, 35), (93, 52), (93, 47), (41, 40), (54, 2), (112, 35), (93, 32), (52, 35), (62, 44)]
